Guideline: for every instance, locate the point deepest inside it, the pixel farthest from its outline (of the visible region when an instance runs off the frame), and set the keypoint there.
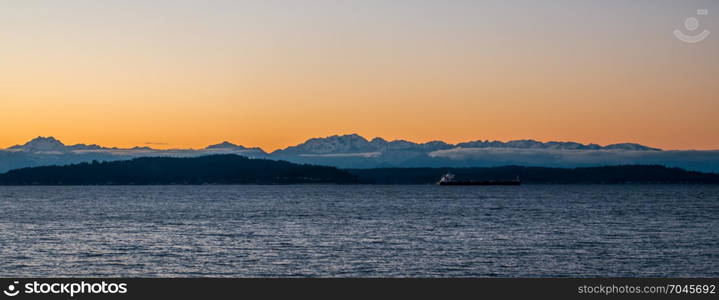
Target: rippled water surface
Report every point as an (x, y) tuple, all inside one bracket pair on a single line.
[(367, 231)]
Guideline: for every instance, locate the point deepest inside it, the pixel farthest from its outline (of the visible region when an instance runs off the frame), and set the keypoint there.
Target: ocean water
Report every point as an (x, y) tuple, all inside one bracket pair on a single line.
[(360, 231)]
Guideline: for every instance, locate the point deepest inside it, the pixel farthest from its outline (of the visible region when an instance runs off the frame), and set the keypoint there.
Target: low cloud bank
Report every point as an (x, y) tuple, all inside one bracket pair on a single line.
[(705, 161)]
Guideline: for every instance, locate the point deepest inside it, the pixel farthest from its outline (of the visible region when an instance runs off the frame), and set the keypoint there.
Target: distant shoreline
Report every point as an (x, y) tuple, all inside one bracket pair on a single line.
[(230, 169), (360, 184)]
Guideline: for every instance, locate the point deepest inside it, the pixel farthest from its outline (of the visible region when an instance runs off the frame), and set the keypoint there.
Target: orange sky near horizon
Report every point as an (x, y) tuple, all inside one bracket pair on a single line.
[(273, 74)]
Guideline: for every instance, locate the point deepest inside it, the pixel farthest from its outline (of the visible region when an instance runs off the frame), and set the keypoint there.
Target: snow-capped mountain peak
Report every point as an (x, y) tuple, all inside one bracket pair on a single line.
[(41, 144), (233, 148), (349, 143), (225, 145)]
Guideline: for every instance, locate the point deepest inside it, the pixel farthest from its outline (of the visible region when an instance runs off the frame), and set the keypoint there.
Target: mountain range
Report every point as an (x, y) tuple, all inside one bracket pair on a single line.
[(357, 152), (355, 144)]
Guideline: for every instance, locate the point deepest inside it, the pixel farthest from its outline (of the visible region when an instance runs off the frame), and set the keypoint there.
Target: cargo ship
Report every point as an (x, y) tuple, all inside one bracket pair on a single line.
[(448, 179)]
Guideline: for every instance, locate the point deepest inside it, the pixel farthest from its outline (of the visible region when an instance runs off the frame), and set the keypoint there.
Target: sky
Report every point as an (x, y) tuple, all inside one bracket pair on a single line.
[(186, 74)]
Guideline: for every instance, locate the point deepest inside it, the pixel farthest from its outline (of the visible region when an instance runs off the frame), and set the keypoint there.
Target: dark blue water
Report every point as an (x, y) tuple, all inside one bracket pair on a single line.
[(368, 231)]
